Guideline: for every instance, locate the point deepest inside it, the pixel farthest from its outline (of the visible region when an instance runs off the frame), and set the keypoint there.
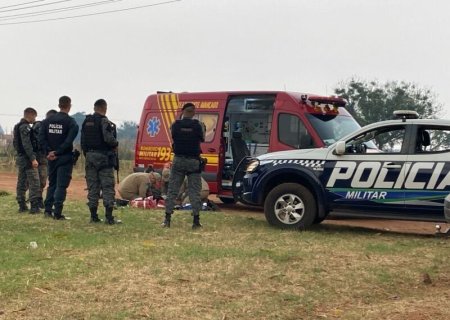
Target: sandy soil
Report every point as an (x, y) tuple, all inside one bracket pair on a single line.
[(78, 185)]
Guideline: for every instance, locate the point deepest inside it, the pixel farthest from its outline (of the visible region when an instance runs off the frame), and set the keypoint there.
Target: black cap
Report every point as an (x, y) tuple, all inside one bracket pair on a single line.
[(188, 105)]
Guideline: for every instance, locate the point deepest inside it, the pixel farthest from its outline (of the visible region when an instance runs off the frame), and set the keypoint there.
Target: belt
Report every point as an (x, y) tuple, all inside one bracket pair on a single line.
[(187, 157), (97, 151)]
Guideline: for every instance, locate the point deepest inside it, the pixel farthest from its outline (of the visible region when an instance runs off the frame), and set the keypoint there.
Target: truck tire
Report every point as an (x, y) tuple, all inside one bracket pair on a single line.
[(227, 200), (290, 206)]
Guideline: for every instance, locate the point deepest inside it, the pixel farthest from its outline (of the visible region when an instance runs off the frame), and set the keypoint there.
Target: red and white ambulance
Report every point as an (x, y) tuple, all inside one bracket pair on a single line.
[(240, 124)]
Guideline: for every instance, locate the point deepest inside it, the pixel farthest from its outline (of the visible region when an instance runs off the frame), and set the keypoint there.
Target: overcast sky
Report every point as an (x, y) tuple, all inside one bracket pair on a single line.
[(216, 45)]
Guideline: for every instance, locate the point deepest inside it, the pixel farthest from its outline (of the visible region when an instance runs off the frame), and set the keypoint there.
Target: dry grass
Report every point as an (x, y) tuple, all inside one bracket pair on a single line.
[(235, 268)]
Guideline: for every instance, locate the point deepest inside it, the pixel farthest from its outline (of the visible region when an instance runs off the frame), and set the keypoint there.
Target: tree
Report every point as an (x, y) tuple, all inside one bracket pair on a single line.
[(372, 101), (127, 130)]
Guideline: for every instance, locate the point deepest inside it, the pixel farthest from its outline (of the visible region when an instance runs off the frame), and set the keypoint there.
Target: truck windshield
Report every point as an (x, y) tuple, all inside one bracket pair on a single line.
[(331, 128)]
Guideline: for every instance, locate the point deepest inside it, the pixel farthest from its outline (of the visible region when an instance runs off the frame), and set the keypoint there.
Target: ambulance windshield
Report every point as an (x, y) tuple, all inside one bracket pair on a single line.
[(331, 128)]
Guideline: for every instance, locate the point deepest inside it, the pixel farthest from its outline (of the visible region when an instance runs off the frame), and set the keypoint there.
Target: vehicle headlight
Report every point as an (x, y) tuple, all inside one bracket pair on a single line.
[(253, 164)]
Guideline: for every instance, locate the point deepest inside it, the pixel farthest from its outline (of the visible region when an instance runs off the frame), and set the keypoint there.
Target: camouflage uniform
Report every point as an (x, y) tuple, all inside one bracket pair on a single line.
[(42, 160), (25, 144), (187, 134), (99, 150), (181, 168)]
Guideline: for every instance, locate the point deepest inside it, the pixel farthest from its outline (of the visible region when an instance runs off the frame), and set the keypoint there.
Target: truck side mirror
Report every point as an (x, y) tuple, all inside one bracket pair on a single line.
[(340, 148)]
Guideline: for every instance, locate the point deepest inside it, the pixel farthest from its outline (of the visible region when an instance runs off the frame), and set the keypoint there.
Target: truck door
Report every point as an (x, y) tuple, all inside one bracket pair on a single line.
[(429, 181), (371, 175)]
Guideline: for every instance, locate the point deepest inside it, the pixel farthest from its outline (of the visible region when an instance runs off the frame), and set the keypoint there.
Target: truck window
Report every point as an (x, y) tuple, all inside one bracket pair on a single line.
[(292, 132), (331, 128), (433, 139), (378, 140)]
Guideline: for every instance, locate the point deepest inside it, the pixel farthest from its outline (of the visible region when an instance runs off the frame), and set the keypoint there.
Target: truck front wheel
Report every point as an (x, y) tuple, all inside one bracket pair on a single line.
[(290, 206)]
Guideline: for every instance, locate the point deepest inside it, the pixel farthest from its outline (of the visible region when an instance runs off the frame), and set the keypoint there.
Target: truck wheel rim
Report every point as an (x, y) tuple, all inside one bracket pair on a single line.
[(289, 209)]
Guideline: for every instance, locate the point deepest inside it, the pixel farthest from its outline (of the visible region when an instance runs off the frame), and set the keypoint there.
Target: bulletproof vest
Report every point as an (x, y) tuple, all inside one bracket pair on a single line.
[(186, 134), (57, 130), (17, 140), (93, 133), (35, 129)]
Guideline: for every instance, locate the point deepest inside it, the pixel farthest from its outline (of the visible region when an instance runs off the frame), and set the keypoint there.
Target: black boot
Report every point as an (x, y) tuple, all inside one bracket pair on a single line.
[(35, 208), (23, 207), (166, 222), (196, 223), (109, 216), (94, 216), (57, 214), (41, 203)]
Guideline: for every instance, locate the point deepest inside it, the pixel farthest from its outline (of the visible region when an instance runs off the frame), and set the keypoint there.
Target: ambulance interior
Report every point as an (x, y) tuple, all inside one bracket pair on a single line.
[(246, 132)]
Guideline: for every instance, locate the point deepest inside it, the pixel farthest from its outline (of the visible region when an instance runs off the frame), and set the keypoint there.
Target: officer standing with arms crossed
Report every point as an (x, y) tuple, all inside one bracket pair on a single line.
[(99, 144), (26, 145), (56, 138), (187, 134)]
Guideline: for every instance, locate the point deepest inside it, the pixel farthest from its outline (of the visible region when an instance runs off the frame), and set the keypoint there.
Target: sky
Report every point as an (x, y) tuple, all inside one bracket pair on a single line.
[(214, 45)]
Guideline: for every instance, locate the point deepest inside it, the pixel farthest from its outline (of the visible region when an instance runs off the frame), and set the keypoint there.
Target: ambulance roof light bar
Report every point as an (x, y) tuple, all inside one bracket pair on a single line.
[(335, 101), (406, 114)]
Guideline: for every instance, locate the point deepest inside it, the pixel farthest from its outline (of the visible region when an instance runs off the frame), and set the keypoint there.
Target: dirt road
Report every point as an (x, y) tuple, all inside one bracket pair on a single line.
[(78, 185)]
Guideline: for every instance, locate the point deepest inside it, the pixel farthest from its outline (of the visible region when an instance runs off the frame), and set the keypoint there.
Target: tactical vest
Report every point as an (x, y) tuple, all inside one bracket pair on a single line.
[(17, 139), (35, 129), (93, 133), (186, 134)]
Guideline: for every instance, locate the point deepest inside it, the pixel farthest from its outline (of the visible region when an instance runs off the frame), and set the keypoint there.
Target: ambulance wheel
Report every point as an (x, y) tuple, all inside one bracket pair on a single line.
[(227, 200), (290, 206)]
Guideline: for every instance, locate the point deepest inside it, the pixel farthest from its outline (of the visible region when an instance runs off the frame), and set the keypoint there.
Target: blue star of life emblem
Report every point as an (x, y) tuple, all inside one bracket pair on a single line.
[(153, 126)]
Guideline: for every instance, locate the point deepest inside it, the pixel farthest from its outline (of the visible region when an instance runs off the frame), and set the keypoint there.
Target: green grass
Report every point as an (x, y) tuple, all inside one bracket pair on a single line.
[(237, 267)]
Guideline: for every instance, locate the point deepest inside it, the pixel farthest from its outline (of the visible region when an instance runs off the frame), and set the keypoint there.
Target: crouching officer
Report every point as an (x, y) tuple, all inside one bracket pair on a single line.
[(187, 134), (26, 145), (56, 137), (99, 144)]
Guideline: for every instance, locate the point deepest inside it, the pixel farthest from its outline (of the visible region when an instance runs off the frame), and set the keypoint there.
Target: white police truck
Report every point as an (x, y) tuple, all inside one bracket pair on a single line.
[(397, 169)]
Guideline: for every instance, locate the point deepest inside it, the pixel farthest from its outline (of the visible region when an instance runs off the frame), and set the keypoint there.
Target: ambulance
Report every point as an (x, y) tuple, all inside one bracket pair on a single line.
[(240, 125)]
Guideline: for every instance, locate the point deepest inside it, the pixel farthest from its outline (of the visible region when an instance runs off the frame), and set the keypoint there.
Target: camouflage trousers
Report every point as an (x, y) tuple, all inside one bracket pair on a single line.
[(27, 178), (181, 168), (99, 177), (42, 169)]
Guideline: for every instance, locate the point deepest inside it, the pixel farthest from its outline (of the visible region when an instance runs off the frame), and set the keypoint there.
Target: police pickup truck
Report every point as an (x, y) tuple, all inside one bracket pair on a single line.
[(397, 169)]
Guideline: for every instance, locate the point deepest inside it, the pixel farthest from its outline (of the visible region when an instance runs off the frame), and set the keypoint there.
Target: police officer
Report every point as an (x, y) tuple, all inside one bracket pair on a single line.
[(99, 144), (26, 145), (187, 134), (42, 158), (56, 138)]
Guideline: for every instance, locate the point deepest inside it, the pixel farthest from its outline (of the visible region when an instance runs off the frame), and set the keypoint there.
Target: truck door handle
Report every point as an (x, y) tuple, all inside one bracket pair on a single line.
[(211, 150), (392, 165)]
